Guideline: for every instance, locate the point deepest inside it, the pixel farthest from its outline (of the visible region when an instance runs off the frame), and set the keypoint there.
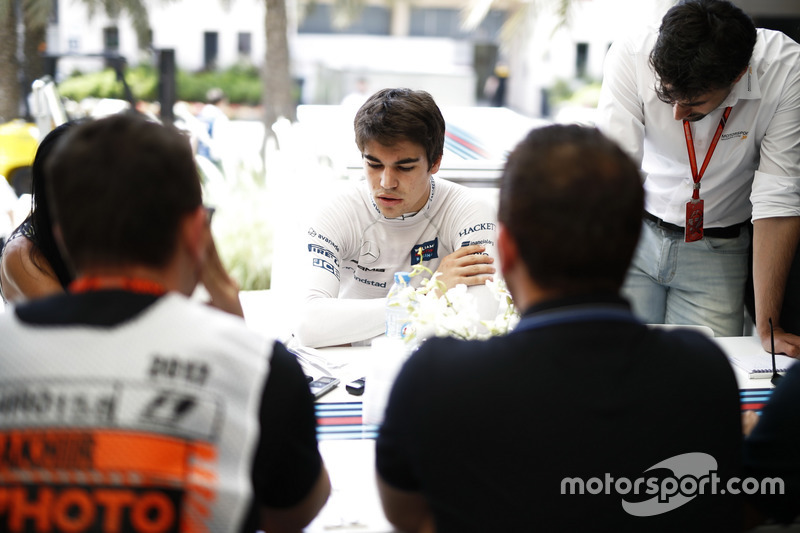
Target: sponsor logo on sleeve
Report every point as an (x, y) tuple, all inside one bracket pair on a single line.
[(323, 238), (430, 250), (321, 263), (317, 249), (485, 242), (483, 226)]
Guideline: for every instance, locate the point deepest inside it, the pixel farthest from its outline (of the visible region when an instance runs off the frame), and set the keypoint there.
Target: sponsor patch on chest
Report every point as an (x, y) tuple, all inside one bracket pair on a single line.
[(425, 251)]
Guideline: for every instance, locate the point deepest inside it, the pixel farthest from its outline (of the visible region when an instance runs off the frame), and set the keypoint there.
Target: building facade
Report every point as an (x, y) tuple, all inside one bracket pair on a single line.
[(415, 43)]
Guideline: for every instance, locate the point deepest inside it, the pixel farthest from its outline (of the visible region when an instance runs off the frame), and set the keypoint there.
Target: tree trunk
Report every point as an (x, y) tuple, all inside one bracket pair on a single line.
[(33, 47), (277, 95), (9, 67)]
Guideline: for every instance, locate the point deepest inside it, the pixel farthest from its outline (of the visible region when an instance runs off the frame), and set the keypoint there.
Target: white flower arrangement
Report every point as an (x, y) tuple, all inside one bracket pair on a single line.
[(436, 311)]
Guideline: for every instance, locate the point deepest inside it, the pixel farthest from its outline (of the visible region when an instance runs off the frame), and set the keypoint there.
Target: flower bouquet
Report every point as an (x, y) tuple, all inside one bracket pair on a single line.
[(437, 311)]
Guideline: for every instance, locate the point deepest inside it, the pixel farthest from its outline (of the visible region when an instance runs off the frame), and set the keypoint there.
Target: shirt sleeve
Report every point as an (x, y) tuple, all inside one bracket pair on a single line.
[(326, 319), (287, 462), (335, 321), (620, 110), (476, 223), (776, 185)]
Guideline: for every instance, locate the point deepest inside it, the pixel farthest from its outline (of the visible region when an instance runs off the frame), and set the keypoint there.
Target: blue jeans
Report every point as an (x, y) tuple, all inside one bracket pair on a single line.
[(674, 282)]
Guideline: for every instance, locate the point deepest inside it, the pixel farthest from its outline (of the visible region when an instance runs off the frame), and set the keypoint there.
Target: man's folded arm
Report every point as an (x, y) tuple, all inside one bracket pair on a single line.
[(334, 321)]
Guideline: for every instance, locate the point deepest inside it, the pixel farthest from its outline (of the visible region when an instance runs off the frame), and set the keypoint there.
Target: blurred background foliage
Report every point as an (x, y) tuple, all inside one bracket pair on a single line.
[(241, 84)]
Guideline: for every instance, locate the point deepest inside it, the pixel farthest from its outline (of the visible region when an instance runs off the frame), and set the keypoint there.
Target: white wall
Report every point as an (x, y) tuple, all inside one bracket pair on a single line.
[(331, 64)]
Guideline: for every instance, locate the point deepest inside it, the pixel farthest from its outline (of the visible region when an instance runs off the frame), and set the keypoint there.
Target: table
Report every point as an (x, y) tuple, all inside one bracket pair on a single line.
[(745, 345), (349, 449)]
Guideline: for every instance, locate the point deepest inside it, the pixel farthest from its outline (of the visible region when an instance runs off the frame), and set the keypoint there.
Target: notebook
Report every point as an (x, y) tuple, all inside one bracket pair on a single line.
[(758, 364)]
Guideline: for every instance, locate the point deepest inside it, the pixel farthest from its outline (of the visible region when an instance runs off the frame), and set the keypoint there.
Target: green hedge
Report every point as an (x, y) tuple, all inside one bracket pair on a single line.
[(242, 84)]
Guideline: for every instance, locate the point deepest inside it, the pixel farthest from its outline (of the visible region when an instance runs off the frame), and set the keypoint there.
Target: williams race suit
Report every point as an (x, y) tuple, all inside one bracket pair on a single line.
[(352, 252)]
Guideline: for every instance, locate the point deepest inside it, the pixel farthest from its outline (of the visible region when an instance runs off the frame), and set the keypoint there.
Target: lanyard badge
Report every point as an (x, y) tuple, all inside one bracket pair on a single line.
[(694, 207), (694, 220)]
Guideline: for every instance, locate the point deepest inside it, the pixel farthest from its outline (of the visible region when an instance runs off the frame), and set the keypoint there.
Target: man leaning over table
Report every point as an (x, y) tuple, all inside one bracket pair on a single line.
[(481, 435), (399, 216), (128, 406), (708, 88)]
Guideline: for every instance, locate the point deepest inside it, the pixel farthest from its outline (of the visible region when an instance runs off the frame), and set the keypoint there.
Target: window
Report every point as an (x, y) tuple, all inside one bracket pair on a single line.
[(581, 59), (111, 39), (210, 49), (374, 20), (444, 22), (147, 42), (244, 43)]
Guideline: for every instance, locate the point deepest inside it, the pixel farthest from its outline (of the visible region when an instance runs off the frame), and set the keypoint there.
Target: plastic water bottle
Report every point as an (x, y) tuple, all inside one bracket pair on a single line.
[(397, 317)]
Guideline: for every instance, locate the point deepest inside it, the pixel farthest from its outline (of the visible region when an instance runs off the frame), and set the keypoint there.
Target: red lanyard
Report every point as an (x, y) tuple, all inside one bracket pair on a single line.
[(99, 283), (687, 131)]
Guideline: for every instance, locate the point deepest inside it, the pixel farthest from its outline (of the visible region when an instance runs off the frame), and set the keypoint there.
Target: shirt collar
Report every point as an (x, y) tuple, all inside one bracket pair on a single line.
[(746, 88), (406, 216), (584, 300)]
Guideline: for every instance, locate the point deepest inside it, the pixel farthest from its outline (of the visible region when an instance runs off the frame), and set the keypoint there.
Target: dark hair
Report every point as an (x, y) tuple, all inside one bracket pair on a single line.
[(124, 185), (40, 218), (573, 201), (393, 115), (702, 45)]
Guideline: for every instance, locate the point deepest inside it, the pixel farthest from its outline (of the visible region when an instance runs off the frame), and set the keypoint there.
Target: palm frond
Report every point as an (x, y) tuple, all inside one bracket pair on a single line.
[(137, 10), (346, 12), (474, 13), (5, 9), (521, 17), (563, 11), (518, 22), (93, 6), (36, 13)]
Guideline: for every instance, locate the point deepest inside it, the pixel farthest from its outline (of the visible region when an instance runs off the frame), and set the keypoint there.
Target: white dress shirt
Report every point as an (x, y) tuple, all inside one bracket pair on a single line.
[(755, 169)]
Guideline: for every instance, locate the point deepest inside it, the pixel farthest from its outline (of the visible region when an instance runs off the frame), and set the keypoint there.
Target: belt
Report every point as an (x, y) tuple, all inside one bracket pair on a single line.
[(729, 232)]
